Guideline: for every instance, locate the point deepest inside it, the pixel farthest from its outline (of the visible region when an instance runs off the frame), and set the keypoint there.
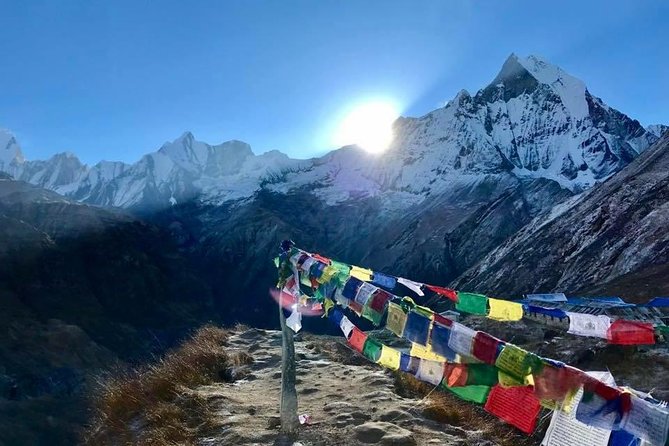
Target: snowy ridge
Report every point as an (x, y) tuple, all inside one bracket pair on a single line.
[(10, 152), (534, 120)]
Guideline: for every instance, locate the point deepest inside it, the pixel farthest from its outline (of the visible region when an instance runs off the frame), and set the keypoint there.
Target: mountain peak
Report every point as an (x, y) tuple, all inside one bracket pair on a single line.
[(570, 89), (9, 149)]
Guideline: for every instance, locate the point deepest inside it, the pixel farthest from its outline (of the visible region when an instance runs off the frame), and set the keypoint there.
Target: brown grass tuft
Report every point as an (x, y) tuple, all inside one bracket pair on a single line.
[(155, 405), (441, 406)]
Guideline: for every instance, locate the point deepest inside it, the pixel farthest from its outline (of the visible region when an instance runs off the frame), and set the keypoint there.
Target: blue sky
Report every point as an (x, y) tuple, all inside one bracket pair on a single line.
[(115, 79)]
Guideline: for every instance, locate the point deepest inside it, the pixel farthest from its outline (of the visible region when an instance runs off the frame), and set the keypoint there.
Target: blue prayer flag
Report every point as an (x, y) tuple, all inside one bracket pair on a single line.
[(383, 280), (417, 328), (439, 339)]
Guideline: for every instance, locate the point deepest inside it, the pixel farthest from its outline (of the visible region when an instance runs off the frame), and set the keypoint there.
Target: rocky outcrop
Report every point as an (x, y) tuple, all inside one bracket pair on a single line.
[(615, 234)]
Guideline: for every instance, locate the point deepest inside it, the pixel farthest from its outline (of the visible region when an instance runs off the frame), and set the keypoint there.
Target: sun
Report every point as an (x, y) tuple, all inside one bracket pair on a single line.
[(368, 125)]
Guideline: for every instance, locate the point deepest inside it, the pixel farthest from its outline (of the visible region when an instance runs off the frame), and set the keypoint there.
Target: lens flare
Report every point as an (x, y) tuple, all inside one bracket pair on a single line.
[(369, 126)]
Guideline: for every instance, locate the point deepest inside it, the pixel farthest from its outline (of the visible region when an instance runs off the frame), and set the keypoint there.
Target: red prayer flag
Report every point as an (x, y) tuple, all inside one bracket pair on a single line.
[(356, 307), (378, 300), (554, 383), (485, 347), (455, 375), (446, 292), (357, 339), (320, 258), (517, 406), (631, 333), (438, 318)]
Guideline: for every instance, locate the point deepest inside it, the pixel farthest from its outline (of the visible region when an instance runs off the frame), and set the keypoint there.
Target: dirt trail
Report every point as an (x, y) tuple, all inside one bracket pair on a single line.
[(349, 404)]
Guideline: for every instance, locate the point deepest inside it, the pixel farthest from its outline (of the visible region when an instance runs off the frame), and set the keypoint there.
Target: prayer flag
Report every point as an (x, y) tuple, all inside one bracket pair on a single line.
[(350, 289), (390, 358), (474, 394), (461, 339), (328, 273), (413, 286), (455, 375), (372, 349), (371, 315), (439, 319), (409, 364), (294, 321), (446, 292), (361, 273), (355, 307), (439, 342), (631, 333), (472, 303), (588, 325), (647, 421), (556, 383), (566, 430), (552, 312), (486, 348), (504, 310), (346, 326), (383, 280), (481, 374), (364, 293), (379, 300), (516, 405), (336, 316), (396, 319), (357, 339), (513, 361), (417, 328), (623, 438), (426, 352), (430, 371)]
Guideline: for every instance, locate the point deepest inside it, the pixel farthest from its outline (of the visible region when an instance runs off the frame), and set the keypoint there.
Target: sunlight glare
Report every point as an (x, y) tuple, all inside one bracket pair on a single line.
[(368, 125)]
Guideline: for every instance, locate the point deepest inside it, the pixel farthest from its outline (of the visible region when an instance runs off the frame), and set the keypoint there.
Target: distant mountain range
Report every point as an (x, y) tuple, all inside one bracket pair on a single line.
[(533, 121), (454, 185)]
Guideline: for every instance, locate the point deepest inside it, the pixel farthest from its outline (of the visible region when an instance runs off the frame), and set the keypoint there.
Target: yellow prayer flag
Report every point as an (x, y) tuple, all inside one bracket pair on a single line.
[(328, 273), (503, 310), (390, 358), (426, 352), (361, 273), (396, 319), (506, 380)]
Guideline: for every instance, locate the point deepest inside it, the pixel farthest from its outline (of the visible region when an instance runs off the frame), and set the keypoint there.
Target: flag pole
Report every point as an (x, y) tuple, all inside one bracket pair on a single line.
[(288, 407)]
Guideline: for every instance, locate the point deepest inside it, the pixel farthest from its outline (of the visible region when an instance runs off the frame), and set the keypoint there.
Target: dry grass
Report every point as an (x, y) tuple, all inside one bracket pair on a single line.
[(155, 405), (446, 408)]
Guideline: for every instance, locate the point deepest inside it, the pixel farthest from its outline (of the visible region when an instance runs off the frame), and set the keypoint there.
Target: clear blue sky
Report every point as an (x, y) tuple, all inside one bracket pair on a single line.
[(115, 79)]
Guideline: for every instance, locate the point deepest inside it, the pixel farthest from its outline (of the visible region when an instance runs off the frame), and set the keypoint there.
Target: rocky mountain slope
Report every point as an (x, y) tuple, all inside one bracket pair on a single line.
[(613, 236), (81, 288)]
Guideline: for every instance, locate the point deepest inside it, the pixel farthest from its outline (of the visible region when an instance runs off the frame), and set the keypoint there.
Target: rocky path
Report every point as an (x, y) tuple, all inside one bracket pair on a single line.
[(351, 404)]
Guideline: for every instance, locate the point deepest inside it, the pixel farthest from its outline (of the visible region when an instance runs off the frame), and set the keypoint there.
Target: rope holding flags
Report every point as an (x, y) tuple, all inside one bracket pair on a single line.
[(510, 382)]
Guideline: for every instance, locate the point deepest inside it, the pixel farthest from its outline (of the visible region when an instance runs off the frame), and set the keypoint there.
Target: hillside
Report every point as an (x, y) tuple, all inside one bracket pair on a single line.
[(612, 240), (81, 288)]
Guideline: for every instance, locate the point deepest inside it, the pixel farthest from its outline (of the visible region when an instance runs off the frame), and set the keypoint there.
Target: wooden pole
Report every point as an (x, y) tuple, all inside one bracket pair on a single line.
[(288, 411)]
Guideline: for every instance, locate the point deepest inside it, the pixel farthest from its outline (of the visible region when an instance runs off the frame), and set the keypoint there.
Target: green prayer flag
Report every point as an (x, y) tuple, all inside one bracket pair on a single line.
[(474, 394), (372, 349), (372, 315), (472, 303), (482, 374)]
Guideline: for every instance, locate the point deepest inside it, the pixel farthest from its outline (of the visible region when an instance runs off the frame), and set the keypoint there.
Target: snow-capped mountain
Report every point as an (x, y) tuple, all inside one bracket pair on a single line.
[(533, 121), (613, 236), (657, 129)]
